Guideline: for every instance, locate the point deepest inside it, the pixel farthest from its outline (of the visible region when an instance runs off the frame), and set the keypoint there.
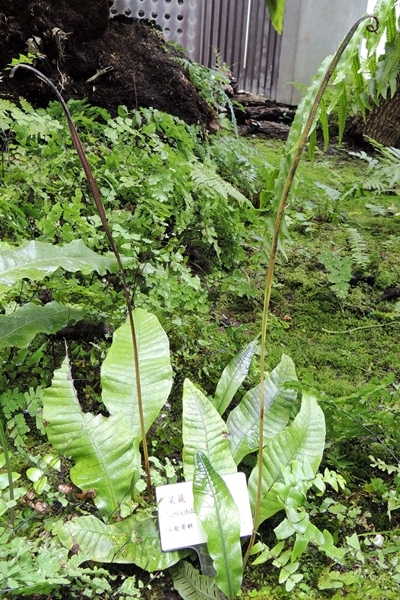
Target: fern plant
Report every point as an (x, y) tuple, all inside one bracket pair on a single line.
[(384, 170), (211, 85), (107, 460), (359, 251), (372, 77), (302, 127), (340, 269)]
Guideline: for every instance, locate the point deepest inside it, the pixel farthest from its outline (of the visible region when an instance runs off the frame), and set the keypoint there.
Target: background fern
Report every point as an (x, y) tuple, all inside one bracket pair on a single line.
[(384, 171), (358, 247), (371, 77)]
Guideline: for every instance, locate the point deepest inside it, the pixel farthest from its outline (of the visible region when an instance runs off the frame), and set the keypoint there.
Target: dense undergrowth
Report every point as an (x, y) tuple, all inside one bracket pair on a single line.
[(191, 214)]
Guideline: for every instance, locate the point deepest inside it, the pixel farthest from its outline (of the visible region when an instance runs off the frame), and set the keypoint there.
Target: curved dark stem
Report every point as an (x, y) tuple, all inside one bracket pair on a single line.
[(100, 208), (372, 27)]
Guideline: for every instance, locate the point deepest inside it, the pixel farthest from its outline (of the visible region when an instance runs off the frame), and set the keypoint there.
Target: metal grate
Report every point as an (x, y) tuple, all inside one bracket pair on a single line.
[(242, 33), (240, 30), (178, 19)]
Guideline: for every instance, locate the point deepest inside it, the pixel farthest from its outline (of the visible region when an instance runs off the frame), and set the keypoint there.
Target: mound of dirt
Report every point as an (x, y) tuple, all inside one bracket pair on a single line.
[(88, 56)]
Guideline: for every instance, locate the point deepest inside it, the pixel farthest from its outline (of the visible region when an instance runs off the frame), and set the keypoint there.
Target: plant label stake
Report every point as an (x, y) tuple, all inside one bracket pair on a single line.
[(179, 524)]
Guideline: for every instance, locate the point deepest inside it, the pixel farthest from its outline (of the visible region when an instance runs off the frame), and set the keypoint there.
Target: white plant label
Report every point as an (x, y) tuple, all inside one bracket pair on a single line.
[(179, 525)]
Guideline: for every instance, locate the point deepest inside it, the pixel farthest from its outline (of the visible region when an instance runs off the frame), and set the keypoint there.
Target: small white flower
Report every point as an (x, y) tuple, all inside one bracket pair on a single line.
[(378, 540)]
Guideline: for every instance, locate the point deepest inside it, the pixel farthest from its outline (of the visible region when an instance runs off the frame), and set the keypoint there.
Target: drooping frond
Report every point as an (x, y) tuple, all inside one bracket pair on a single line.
[(342, 113), (372, 76)]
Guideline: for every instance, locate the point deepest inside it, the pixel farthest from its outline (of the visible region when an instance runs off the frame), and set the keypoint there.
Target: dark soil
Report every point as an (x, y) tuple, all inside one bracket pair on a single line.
[(76, 40)]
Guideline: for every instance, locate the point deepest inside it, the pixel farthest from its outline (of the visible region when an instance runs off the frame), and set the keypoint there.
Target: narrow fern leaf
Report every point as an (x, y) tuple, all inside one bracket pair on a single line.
[(393, 84), (220, 519), (243, 421), (365, 98), (312, 143), (335, 96), (304, 438), (372, 64), (203, 429), (391, 30), (359, 254), (342, 113), (323, 117), (300, 120), (391, 66), (358, 81), (382, 11), (344, 67), (232, 377), (191, 585), (357, 75)]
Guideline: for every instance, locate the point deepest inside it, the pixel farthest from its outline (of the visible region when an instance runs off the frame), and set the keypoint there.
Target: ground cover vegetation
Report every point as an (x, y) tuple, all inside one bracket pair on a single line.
[(192, 218)]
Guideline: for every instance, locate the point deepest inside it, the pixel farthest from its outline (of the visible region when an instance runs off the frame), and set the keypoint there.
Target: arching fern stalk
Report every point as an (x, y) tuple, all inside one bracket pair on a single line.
[(373, 75), (100, 208), (299, 133)]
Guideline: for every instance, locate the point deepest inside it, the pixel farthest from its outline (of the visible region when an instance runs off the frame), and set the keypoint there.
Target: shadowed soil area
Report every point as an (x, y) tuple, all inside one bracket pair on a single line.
[(88, 56)]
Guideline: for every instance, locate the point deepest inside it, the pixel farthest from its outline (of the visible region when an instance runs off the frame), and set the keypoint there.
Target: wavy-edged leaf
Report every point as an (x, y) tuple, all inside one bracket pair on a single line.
[(132, 540), (304, 438), (204, 430), (243, 421), (232, 377), (118, 380), (191, 585), (220, 519), (102, 448), (20, 327), (36, 260)]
